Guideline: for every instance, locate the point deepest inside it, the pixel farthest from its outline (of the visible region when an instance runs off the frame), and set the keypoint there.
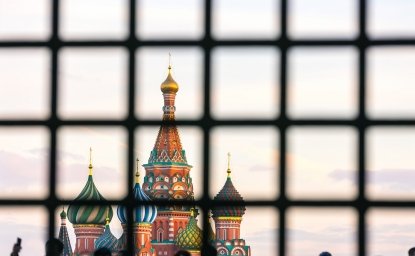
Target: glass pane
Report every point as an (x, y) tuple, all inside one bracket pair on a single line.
[(24, 161), (170, 19), (390, 231), (245, 18), (108, 161), (25, 83), (316, 19), (94, 19), (254, 158), (322, 163), (25, 19), (28, 223), (390, 80), (322, 82), (245, 82), (391, 18), (390, 163), (93, 83), (316, 230), (187, 71)]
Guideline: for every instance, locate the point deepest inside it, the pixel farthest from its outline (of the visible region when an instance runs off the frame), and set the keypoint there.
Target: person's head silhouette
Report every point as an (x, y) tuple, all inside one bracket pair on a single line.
[(411, 251), (325, 254)]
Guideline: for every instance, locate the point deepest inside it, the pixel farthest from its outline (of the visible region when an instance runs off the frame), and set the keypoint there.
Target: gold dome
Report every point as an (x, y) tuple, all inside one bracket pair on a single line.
[(169, 85)]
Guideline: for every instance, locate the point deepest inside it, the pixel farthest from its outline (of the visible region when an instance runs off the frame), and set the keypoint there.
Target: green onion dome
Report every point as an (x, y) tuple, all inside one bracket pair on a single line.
[(107, 239), (89, 214), (228, 193), (63, 214), (191, 237)]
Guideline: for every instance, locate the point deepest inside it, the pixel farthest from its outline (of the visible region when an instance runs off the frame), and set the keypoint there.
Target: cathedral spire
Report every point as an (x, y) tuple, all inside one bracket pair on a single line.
[(90, 167), (63, 235), (228, 171), (137, 172), (168, 148)]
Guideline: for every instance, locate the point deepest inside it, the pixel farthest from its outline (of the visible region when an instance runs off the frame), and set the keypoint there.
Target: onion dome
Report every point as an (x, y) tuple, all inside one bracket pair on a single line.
[(191, 237), (63, 214), (143, 213), (228, 193), (89, 214), (169, 85), (107, 239)]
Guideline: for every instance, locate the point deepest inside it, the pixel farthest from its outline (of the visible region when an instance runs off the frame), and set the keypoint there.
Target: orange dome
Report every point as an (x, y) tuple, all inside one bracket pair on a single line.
[(169, 85)]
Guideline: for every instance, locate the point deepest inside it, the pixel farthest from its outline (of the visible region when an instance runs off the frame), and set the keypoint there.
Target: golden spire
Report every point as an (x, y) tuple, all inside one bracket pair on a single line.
[(229, 165), (192, 212), (107, 219), (137, 173), (169, 85), (90, 162)]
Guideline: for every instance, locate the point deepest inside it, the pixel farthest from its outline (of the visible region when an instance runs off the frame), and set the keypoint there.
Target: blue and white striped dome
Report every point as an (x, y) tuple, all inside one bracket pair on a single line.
[(144, 213)]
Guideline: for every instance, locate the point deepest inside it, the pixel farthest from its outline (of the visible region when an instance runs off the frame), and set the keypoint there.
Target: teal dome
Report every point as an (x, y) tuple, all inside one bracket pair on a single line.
[(89, 214), (107, 239)]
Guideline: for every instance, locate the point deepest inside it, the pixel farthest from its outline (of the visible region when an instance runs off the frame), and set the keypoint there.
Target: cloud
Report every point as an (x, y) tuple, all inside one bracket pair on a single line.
[(22, 175), (396, 179), (261, 168)]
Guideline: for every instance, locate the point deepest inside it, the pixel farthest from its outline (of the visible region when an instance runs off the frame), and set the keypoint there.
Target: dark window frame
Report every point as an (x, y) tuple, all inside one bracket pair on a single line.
[(361, 123)]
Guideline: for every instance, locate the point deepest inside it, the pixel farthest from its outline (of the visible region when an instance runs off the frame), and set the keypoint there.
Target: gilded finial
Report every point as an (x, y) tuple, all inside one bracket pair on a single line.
[(107, 219), (137, 173), (192, 212), (229, 165), (90, 161), (169, 85), (169, 61)]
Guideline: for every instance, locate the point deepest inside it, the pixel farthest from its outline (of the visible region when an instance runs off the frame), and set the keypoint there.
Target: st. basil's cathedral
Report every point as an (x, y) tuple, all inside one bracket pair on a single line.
[(157, 230)]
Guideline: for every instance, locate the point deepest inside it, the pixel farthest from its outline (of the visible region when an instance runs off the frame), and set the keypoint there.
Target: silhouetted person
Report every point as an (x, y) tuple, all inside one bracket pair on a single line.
[(182, 253), (102, 252), (16, 250), (209, 251), (54, 247), (325, 254), (411, 251)]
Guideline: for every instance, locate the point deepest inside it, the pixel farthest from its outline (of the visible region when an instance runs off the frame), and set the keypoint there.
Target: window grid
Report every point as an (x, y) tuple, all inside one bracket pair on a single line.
[(207, 122)]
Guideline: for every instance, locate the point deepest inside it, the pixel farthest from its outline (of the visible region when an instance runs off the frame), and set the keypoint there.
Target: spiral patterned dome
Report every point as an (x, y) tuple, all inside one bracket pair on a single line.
[(107, 239), (89, 214), (191, 237), (143, 213)]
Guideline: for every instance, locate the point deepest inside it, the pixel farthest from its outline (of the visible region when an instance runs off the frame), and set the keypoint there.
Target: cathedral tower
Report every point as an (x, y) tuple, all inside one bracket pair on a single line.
[(228, 221), (168, 175), (88, 220), (144, 216), (64, 237)]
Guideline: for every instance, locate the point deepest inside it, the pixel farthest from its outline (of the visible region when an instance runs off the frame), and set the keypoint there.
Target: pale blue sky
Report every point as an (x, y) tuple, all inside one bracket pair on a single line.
[(321, 82)]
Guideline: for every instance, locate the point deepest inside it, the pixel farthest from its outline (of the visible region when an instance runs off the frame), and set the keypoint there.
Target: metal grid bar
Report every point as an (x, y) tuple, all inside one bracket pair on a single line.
[(282, 123)]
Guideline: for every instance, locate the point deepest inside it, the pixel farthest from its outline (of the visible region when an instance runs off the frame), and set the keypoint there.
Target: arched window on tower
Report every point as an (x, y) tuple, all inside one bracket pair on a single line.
[(160, 235)]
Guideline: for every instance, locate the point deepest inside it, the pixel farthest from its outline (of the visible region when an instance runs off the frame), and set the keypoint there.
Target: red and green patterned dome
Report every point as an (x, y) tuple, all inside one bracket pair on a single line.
[(228, 193), (89, 214)]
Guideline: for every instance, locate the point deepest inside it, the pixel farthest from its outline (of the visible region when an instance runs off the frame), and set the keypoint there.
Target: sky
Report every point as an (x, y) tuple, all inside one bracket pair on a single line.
[(322, 82)]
